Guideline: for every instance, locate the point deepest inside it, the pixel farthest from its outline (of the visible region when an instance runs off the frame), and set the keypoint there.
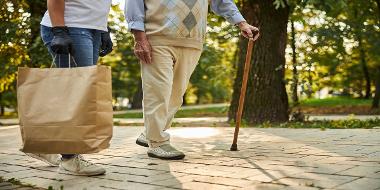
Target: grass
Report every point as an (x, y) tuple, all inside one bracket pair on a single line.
[(336, 101), (337, 106), (196, 112), (9, 115)]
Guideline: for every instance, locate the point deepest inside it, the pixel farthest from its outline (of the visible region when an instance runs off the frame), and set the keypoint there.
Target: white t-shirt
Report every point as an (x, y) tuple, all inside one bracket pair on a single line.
[(91, 14)]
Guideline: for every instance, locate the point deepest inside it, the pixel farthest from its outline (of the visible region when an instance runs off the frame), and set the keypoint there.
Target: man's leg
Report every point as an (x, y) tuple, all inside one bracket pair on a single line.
[(187, 60), (185, 66), (157, 80)]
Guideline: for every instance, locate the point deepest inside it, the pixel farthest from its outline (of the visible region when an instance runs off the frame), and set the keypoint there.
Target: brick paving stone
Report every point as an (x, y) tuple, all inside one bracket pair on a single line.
[(177, 181), (224, 181), (5, 185), (127, 185), (363, 171), (205, 186), (268, 159), (42, 182), (19, 174), (12, 168), (361, 183), (273, 186), (315, 180), (268, 176)]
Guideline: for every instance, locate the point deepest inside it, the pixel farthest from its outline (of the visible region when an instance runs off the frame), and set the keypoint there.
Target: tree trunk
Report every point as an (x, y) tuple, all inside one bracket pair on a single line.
[(37, 9), (378, 9), (138, 97), (2, 108), (266, 98), (37, 52), (363, 63), (294, 61), (376, 99), (310, 81)]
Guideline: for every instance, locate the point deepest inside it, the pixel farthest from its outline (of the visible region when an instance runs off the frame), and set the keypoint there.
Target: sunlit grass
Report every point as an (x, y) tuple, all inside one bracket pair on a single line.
[(9, 115), (336, 101)]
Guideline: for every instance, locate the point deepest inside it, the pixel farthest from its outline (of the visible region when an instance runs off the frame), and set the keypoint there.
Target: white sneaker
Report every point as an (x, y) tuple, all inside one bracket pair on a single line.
[(79, 166), (142, 141), (165, 152), (51, 159)]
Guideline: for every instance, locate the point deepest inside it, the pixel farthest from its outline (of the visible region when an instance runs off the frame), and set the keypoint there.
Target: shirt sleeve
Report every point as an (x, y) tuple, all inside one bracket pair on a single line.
[(228, 10), (134, 12)]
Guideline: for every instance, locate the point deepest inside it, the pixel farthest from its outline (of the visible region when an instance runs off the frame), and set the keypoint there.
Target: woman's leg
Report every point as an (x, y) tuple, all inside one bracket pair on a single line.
[(83, 40)]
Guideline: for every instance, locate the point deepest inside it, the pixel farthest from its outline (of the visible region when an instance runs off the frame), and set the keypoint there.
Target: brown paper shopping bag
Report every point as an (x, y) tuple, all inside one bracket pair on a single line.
[(65, 110)]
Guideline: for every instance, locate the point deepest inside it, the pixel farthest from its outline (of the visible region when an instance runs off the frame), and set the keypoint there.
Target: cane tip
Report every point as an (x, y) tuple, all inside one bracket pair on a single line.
[(234, 147)]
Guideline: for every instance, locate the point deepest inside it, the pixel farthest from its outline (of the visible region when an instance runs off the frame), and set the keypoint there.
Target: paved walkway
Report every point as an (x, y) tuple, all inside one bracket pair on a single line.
[(268, 159)]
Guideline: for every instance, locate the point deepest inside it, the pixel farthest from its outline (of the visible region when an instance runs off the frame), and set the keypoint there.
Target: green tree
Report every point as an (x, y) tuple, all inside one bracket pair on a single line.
[(13, 47), (126, 82), (347, 35), (266, 98), (211, 81)]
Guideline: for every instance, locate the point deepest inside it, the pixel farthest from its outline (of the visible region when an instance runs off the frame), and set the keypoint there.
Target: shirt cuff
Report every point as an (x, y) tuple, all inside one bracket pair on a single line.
[(136, 25), (235, 19)]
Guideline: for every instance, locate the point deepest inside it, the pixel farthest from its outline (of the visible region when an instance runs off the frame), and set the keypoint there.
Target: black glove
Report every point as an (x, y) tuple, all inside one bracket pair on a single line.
[(106, 46), (62, 42)]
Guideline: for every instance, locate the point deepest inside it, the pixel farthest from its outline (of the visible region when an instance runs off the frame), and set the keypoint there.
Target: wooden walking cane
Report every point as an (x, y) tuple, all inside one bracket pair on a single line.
[(242, 94)]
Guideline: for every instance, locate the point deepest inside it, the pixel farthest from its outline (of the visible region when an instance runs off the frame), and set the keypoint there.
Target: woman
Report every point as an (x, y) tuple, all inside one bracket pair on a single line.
[(76, 30)]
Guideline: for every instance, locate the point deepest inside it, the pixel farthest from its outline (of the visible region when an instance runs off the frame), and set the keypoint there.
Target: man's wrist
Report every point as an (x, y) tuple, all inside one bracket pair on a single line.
[(139, 35), (242, 23)]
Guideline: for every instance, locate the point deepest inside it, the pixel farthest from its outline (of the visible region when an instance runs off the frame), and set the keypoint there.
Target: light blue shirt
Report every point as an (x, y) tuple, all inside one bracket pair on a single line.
[(135, 12)]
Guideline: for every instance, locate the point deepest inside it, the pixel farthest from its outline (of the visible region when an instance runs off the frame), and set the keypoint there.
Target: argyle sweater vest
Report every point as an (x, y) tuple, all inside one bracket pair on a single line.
[(176, 22)]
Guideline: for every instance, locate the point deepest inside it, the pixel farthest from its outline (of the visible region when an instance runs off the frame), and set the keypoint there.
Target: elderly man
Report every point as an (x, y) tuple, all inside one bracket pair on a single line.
[(169, 36)]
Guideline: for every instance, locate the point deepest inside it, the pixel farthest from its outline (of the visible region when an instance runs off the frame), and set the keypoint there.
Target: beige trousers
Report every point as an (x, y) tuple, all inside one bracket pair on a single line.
[(164, 84)]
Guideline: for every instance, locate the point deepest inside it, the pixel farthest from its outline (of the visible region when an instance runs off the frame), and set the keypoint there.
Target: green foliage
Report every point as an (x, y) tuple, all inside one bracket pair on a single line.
[(212, 80), (125, 65), (13, 42), (20, 44), (331, 36)]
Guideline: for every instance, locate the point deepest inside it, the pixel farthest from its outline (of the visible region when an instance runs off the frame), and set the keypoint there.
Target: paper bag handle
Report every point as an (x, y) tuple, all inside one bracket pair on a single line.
[(59, 61)]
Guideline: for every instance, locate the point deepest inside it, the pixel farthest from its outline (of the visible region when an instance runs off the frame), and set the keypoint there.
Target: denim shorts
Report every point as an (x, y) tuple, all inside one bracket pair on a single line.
[(86, 44)]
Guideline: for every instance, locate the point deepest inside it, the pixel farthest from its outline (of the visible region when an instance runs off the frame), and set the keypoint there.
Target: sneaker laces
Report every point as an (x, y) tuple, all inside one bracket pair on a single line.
[(82, 161), (159, 150), (142, 137)]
